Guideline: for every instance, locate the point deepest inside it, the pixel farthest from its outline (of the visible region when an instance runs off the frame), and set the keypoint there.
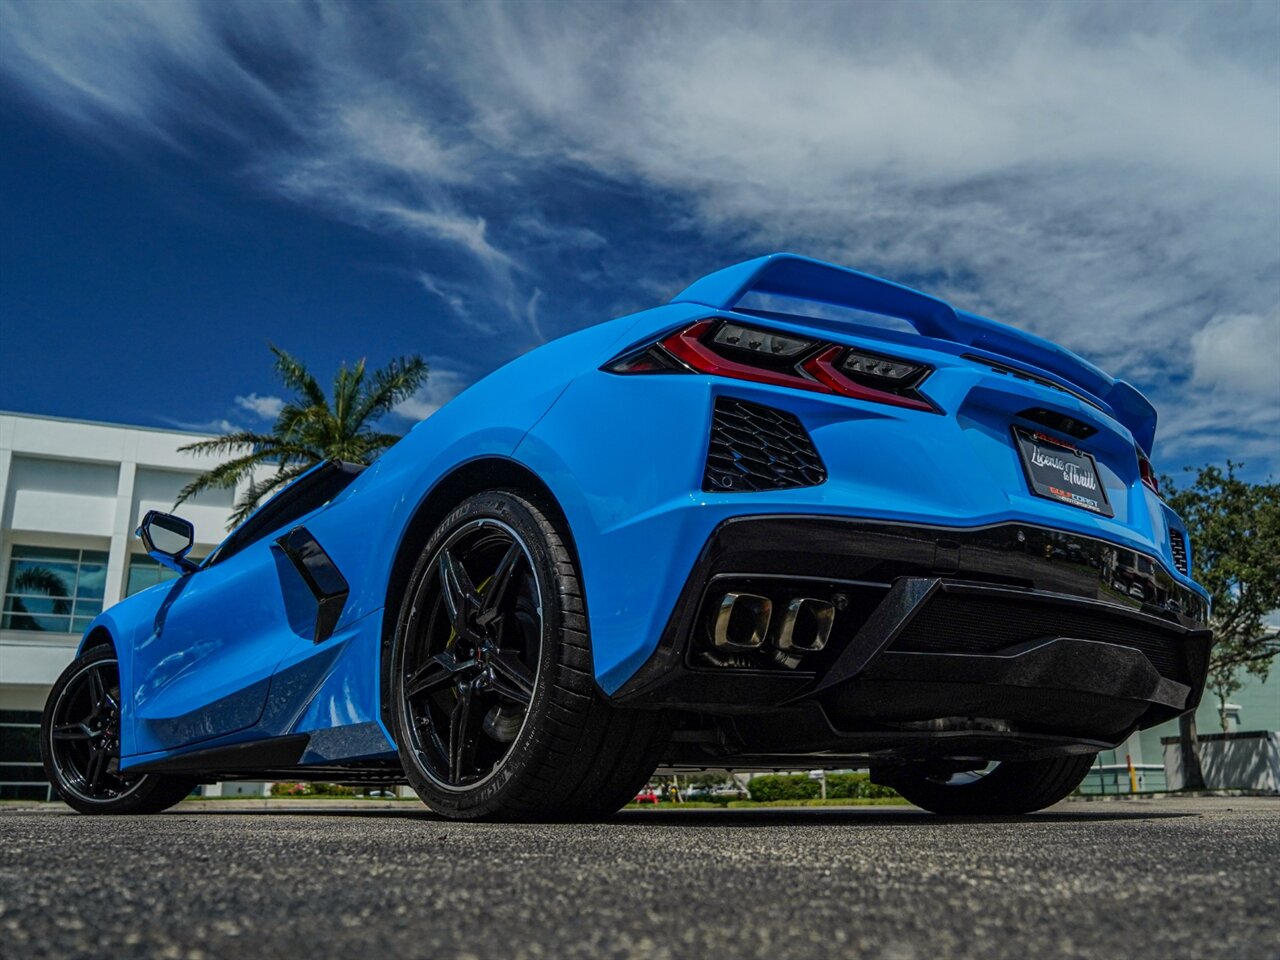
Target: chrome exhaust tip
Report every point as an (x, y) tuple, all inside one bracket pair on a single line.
[(806, 625), (742, 621)]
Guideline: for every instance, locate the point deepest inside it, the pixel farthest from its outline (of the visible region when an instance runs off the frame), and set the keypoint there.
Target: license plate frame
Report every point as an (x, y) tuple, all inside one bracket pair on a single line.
[(1059, 471)]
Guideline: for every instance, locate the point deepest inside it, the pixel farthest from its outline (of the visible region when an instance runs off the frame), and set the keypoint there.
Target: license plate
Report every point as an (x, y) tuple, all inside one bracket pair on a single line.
[(1059, 471)]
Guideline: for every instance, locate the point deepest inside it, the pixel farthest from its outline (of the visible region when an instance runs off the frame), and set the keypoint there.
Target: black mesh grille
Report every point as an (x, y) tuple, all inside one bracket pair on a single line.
[(958, 624), (754, 447), (1178, 545)]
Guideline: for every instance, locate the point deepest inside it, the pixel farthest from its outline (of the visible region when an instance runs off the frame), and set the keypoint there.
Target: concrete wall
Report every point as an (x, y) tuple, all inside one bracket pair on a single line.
[(1237, 761), (71, 483)]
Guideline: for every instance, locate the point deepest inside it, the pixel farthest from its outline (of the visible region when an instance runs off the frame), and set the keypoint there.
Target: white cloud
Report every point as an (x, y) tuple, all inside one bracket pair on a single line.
[(214, 426), (1105, 174), (531, 314), (446, 292), (267, 407), (442, 386), (466, 232), (1239, 353), (1210, 425), (1071, 181)]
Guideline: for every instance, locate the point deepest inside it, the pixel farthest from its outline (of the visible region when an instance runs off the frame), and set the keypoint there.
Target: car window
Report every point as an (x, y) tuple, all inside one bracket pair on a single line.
[(309, 492)]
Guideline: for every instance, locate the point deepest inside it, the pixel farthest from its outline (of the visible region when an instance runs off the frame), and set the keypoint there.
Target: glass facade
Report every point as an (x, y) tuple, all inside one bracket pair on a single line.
[(53, 589), (145, 572), (21, 774)]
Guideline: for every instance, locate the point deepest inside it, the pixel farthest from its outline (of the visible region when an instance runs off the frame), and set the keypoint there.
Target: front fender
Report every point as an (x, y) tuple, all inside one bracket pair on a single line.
[(128, 622)]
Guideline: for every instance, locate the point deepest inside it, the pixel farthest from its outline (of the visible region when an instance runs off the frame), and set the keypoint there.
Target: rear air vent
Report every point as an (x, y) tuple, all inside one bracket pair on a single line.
[(1178, 544), (754, 447), (1060, 422), (1014, 372)]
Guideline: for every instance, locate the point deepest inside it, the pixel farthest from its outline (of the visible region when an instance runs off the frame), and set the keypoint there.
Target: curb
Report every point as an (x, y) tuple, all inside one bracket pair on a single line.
[(1169, 795)]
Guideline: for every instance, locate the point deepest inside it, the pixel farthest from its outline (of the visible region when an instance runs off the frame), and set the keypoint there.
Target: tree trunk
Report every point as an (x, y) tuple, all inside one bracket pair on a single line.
[(1192, 773)]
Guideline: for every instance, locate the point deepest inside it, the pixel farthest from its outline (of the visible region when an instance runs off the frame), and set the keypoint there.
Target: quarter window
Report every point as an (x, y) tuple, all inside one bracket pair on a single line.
[(53, 589)]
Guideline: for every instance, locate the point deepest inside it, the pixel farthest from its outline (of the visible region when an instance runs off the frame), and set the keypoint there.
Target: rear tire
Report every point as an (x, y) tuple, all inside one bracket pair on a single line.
[(493, 695), (80, 743), (1011, 788)]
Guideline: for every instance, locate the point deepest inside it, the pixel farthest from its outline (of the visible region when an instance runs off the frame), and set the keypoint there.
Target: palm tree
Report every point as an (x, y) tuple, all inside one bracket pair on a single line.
[(38, 580), (310, 428)]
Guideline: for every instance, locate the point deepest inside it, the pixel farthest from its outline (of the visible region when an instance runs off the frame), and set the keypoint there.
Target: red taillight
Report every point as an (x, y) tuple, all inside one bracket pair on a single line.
[(823, 368), (687, 346), (1148, 473), (728, 349)]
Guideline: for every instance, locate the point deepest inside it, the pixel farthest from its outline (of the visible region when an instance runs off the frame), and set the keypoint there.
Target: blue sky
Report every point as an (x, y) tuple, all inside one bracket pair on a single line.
[(183, 183)]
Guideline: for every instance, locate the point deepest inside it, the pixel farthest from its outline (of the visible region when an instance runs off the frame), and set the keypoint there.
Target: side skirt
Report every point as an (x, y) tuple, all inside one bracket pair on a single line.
[(257, 754), (274, 759)]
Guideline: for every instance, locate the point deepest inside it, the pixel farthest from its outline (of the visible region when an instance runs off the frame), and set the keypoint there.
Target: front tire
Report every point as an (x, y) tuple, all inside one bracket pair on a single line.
[(80, 743), (1009, 788), (494, 704)]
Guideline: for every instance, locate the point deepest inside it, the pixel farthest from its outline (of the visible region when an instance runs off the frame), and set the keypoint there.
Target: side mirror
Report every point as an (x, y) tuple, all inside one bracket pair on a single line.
[(168, 539)]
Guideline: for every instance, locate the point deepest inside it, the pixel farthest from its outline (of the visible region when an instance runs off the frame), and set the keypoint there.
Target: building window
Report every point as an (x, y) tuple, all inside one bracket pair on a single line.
[(145, 572), (21, 773), (53, 589)]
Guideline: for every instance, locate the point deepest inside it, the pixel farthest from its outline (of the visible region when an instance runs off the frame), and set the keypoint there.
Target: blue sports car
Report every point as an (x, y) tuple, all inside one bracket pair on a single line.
[(799, 517)]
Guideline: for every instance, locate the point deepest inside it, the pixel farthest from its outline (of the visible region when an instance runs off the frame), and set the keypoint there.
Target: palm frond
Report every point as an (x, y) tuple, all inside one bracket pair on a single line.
[(375, 443), (294, 374), (229, 442), (397, 381), (347, 388), (254, 494), (310, 427), (223, 476)]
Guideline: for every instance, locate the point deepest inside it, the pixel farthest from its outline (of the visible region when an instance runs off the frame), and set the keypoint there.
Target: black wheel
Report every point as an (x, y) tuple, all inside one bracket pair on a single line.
[(80, 743), (1002, 788), (494, 704)]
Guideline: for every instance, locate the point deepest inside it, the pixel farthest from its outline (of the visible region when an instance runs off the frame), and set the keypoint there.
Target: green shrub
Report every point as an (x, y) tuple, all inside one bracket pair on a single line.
[(783, 787), (332, 790), (840, 786), (311, 790), (856, 786)]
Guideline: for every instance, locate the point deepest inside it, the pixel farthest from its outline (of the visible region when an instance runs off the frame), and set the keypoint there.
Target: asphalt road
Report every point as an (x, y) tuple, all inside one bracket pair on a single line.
[(1172, 878)]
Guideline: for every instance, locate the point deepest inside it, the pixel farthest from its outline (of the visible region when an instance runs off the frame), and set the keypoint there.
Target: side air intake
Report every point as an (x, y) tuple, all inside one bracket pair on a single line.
[(754, 447)]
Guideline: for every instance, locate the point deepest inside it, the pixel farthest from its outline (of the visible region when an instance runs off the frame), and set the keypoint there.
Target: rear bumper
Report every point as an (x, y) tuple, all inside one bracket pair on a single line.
[(1011, 632)]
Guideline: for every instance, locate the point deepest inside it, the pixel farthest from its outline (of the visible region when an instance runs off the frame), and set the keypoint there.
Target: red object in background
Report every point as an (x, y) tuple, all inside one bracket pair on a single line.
[(647, 795)]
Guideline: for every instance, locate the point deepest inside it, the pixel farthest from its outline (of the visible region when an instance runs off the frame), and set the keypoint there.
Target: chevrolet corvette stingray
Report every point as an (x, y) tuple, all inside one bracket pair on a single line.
[(799, 517)]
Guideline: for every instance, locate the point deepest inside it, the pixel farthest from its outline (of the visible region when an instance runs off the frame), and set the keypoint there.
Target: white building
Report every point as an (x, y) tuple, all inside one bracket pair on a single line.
[(72, 493)]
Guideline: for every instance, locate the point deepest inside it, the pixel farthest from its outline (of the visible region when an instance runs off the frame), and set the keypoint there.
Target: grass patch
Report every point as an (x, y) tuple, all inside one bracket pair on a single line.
[(748, 804), (829, 802), (685, 805)]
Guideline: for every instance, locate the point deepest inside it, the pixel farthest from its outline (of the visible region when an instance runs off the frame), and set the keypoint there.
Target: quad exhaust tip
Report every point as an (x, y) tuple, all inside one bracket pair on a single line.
[(806, 625), (742, 623)]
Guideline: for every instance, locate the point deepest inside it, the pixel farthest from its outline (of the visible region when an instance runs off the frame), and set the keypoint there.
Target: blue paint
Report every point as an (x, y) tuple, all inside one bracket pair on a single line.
[(226, 654)]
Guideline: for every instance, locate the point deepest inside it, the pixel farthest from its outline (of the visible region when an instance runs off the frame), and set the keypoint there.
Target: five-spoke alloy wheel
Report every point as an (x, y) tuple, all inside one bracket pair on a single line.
[(80, 743), (470, 671), (492, 697)]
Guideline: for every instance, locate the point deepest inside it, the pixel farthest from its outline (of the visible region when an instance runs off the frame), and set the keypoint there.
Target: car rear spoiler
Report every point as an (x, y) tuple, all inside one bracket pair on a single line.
[(801, 278)]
